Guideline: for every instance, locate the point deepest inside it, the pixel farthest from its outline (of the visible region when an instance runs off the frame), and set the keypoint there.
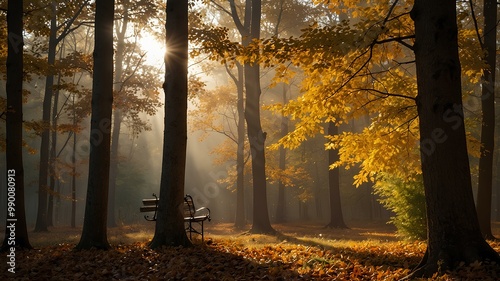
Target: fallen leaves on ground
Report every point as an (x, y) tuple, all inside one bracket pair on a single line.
[(226, 259)]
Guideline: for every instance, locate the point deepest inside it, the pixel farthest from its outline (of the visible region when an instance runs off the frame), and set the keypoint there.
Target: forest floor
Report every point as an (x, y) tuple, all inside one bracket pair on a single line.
[(300, 251)]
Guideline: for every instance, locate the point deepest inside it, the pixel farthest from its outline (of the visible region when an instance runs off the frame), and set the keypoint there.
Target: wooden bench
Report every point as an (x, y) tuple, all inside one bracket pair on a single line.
[(192, 216)]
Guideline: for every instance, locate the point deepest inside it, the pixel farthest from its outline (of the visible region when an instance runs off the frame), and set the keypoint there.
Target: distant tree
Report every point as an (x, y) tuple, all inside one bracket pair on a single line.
[(454, 235), (14, 127), (94, 225), (336, 216), (134, 83), (169, 229), (280, 205), (239, 220), (41, 219), (54, 39), (485, 177), (256, 136)]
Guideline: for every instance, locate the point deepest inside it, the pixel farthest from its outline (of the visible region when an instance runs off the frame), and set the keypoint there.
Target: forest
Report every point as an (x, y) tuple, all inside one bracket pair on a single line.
[(317, 140)]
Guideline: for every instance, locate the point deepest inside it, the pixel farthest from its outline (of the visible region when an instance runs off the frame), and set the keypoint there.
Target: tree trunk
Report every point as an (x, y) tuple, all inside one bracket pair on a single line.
[(113, 169), (73, 172), (94, 225), (73, 178), (336, 216), (485, 176), (250, 29), (170, 223), (117, 115), (52, 162), (256, 136), (41, 219), (16, 217), (281, 209), (240, 220), (453, 229), (317, 192)]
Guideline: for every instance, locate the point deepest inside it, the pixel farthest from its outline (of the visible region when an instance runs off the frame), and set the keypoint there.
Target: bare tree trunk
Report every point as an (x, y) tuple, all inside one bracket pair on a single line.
[(73, 172), (41, 219), (113, 170), (52, 162), (256, 136), (336, 216), (240, 220), (73, 179), (16, 216), (317, 192), (281, 209), (485, 177), (250, 29), (170, 223), (117, 115), (453, 229), (94, 233)]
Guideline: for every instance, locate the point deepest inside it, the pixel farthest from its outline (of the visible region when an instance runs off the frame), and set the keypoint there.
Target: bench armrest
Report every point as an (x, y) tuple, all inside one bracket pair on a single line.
[(205, 210)]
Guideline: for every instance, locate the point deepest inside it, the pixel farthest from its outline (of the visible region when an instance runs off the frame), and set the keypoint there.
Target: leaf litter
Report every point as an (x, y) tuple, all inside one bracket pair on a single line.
[(229, 258)]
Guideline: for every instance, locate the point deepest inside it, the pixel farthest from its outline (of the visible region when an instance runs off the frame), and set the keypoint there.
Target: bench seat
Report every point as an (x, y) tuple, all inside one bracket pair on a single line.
[(192, 216)]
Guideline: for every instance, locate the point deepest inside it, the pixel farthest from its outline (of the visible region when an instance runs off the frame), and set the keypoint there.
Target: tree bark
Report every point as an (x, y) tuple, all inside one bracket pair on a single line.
[(113, 169), (14, 130), (453, 229), (73, 177), (117, 114), (256, 136), (53, 158), (280, 208), (336, 216), (170, 223), (94, 233), (485, 176), (250, 29), (41, 219), (240, 220)]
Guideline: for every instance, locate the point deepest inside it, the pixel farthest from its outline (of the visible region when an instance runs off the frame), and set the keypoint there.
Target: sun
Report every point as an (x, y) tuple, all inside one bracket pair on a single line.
[(155, 50)]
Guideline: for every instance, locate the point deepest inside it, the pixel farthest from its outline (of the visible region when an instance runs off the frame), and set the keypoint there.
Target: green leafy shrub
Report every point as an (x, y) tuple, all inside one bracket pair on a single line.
[(406, 199)]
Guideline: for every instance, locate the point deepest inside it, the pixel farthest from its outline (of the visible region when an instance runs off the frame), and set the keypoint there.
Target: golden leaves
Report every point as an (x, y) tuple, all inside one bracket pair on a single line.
[(290, 258)]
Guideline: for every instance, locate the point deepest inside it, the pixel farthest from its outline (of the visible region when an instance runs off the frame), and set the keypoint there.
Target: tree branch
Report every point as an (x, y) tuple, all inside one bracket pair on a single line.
[(384, 94), (399, 40), (221, 7), (476, 26), (234, 14), (69, 23)]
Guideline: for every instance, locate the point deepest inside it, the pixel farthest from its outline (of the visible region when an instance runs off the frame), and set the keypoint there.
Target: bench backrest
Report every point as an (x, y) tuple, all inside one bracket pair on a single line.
[(189, 209)]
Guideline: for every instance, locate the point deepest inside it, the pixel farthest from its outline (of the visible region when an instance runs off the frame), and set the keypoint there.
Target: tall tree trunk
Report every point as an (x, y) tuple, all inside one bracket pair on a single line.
[(280, 208), (73, 179), (52, 162), (113, 170), (485, 176), (117, 115), (453, 229), (497, 186), (41, 219), (170, 223), (16, 216), (94, 225), (240, 220), (73, 171), (336, 216), (256, 136), (250, 29), (317, 192)]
